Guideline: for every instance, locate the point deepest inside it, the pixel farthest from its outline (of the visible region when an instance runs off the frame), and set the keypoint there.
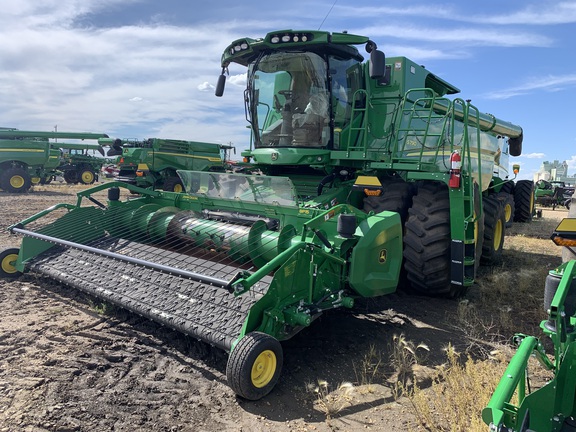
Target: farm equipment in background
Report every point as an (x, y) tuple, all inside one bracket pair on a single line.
[(78, 165), (369, 176), (154, 162), (29, 157), (552, 407), (553, 194)]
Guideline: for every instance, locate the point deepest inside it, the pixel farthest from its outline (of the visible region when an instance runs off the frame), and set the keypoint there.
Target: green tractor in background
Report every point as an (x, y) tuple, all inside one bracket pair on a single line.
[(369, 177)]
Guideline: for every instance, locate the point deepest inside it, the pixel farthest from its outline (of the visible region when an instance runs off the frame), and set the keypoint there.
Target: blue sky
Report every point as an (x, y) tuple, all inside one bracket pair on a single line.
[(145, 68)]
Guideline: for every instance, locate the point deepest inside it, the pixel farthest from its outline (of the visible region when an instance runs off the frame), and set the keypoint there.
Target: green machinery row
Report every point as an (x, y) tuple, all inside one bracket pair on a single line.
[(368, 175), (29, 157)]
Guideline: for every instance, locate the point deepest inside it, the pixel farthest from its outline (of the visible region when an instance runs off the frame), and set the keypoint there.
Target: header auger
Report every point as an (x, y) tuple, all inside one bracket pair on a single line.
[(360, 182)]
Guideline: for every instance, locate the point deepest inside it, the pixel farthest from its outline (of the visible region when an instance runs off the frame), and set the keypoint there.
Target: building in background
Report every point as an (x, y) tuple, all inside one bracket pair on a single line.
[(555, 171)]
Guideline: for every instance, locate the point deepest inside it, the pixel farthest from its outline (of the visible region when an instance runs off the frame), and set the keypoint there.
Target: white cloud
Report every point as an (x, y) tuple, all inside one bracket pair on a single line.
[(548, 83), (205, 87), (534, 155), (136, 99), (238, 80)]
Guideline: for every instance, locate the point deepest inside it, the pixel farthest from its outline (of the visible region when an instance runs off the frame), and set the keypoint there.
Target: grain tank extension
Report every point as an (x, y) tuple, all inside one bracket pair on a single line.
[(369, 175)]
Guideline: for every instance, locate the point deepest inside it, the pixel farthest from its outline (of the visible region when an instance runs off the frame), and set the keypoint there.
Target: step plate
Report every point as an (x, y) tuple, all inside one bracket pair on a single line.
[(197, 309)]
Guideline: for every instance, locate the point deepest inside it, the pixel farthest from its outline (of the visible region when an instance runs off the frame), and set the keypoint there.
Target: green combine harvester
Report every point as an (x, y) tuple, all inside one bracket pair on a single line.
[(370, 176), (153, 162), (29, 157), (551, 408)]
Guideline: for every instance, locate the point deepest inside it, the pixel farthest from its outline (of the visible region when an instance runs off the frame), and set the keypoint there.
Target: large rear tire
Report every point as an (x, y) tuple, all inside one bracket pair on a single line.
[(494, 226), (427, 240), (254, 365), (396, 197), (7, 259), (173, 184), (524, 201), (15, 180), (71, 176), (508, 206)]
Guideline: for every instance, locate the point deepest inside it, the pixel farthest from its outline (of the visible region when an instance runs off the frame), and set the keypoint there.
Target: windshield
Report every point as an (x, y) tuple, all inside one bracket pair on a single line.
[(240, 187), (290, 100)]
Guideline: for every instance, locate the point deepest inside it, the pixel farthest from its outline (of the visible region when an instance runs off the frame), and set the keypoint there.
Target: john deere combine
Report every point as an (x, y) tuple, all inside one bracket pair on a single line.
[(551, 408), (29, 157), (369, 173)]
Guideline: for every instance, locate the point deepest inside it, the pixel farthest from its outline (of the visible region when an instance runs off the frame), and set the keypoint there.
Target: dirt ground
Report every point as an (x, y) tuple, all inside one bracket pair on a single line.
[(69, 363)]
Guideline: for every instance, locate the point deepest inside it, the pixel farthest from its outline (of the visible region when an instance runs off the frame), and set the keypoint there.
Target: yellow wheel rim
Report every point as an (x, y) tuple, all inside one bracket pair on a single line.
[(507, 212), (7, 263), (17, 181), (178, 188), (87, 177), (498, 234), (263, 369), (35, 180)]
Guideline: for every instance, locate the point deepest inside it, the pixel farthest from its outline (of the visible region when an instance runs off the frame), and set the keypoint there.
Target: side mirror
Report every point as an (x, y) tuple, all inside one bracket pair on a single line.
[(377, 64), (220, 85)]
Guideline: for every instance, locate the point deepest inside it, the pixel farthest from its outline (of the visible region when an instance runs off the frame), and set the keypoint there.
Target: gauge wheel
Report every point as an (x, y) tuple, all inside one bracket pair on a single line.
[(254, 365), (8, 259)]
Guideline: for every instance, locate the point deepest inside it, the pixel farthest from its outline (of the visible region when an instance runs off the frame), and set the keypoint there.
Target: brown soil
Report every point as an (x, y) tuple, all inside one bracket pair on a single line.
[(69, 363)]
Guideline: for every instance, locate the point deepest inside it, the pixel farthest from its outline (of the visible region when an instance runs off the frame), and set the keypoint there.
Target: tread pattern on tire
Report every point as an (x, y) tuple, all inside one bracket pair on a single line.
[(397, 197), (493, 212), (241, 360), (523, 201), (427, 240)]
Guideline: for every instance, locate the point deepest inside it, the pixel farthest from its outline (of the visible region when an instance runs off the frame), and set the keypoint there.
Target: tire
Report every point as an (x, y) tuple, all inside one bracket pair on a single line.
[(427, 241), (570, 253), (71, 176), (7, 269), (397, 197), (46, 180), (494, 228), (524, 201), (507, 187), (507, 201), (15, 180), (173, 184), (87, 175), (254, 365)]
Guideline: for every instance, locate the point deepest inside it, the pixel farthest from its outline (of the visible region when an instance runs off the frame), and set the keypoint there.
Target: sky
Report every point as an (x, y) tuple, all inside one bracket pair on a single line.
[(145, 68)]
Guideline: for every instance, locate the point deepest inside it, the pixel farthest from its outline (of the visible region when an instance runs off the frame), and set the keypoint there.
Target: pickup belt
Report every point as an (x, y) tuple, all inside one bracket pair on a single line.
[(196, 308)]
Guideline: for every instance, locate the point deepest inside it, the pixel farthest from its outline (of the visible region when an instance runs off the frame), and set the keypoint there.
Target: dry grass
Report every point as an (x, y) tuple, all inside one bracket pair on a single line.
[(332, 401), (509, 300)]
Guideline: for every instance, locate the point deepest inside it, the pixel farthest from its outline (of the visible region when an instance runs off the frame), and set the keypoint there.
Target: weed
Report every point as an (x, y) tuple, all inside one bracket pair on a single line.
[(369, 369), (332, 402), (404, 355)]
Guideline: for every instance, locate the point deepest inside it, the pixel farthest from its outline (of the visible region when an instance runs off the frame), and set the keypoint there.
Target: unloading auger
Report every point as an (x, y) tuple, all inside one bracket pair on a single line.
[(237, 262)]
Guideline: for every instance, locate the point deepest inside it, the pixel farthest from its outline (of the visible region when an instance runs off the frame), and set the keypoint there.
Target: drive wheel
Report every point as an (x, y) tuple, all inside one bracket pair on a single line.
[(254, 365), (173, 184), (524, 201), (8, 258), (71, 176), (16, 180), (396, 197), (427, 241), (494, 223), (87, 175), (509, 207)]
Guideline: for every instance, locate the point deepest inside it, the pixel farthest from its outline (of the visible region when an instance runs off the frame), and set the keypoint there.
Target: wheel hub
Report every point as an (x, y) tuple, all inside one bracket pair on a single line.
[(17, 181), (263, 369)]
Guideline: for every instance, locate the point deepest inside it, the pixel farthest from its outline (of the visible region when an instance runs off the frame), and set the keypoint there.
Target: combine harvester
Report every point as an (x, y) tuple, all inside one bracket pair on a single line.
[(370, 176), (29, 157), (552, 407)]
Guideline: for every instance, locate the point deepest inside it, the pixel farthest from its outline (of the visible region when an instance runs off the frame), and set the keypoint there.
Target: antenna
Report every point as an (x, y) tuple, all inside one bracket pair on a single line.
[(333, 4)]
